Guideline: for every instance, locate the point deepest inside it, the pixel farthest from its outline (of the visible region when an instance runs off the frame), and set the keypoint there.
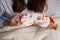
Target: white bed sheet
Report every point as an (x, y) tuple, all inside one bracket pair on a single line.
[(30, 33)]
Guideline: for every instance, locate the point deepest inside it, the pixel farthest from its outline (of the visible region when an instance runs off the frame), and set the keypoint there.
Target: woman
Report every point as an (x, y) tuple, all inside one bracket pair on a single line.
[(20, 6)]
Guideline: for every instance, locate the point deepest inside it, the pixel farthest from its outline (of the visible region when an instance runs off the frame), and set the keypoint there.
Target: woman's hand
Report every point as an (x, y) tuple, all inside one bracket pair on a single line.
[(12, 22), (52, 26)]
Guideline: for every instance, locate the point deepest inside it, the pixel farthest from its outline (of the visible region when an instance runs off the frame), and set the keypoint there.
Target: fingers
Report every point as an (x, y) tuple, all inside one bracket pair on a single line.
[(13, 19), (19, 23), (55, 27), (21, 16), (50, 26)]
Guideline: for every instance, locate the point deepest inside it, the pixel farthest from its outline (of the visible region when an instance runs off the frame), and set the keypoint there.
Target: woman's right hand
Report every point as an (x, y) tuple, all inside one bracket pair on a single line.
[(12, 22)]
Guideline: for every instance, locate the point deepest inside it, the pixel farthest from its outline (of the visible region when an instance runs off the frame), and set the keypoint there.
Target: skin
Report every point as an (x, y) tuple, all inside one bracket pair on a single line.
[(52, 26), (12, 22)]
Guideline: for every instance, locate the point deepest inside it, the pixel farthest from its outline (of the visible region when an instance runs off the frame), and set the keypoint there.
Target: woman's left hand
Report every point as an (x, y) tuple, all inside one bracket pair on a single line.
[(52, 26)]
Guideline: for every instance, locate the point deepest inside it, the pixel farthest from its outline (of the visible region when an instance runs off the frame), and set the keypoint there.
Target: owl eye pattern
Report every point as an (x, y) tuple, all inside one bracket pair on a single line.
[(38, 18), (30, 16)]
